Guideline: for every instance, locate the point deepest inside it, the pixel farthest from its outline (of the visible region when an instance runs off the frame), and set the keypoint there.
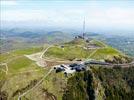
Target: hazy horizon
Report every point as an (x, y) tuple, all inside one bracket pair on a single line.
[(115, 17)]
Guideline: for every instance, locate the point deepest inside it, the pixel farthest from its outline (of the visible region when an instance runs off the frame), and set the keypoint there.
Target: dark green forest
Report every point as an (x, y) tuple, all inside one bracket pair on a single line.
[(117, 82)]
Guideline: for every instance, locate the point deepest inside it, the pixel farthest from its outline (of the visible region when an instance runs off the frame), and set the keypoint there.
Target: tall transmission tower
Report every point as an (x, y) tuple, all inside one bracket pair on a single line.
[(83, 34)]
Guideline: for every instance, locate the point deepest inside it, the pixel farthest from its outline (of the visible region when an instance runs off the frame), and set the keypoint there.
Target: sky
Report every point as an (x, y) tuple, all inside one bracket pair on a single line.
[(99, 15)]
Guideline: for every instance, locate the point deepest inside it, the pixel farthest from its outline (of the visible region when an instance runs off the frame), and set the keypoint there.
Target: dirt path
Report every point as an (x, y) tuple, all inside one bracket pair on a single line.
[(41, 56), (40, 61), (19, 98), (92, 53), (38, 57)]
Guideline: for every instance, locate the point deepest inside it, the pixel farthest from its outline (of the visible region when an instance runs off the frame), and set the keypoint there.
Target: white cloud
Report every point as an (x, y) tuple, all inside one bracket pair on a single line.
[(95, 17), (8, 2)]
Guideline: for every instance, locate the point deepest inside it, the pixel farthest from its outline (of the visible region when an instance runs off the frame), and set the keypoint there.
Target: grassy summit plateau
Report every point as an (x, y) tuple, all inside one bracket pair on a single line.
[(80, 49)]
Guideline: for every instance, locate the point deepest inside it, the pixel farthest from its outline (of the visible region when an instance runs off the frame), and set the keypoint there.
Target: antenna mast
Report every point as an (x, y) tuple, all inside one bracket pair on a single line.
[(84, 28)]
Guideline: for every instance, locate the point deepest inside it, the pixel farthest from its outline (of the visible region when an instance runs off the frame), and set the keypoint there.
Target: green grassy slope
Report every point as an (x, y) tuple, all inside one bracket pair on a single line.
[(21, 71), (105, 53), (75, 50), (28, 51), (23, 74), (68, 53)]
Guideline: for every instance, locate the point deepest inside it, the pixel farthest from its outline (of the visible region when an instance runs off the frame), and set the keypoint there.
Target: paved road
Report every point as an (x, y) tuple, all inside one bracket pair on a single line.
[(109, 64)]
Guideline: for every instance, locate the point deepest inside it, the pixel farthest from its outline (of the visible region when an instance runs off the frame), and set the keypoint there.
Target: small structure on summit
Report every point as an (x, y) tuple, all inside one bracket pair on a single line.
[(78, 37)]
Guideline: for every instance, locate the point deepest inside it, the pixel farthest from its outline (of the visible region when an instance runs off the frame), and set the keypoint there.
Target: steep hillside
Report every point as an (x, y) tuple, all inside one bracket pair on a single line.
[(80, 87), (100, 83)]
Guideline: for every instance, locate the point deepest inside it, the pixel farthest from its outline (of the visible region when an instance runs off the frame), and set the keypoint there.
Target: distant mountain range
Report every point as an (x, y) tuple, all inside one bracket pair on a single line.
[(19, 38)]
